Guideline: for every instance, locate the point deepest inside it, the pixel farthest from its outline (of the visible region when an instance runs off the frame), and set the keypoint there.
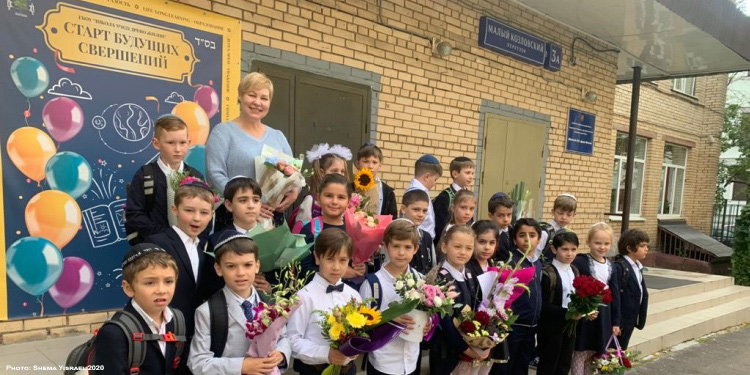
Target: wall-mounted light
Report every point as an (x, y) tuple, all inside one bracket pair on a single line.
[(589, 96), (440, 47)]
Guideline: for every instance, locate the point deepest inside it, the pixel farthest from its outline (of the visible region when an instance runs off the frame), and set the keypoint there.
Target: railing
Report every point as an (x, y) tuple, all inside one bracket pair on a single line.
[(672, 245), (724, 221)]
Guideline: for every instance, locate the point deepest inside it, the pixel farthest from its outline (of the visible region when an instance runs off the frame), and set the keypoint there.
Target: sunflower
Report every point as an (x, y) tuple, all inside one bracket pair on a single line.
[(335, 331), (356, 320), (364, 180), (373, 316)]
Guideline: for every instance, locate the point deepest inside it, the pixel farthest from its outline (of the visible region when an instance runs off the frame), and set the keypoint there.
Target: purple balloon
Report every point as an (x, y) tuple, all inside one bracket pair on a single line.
[(74, 283), (63, 117), (208, 99)]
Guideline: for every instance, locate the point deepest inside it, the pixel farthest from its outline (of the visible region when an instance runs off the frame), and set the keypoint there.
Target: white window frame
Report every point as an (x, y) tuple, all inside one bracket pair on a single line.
[(621, 162), (665, 169), (684, 85)]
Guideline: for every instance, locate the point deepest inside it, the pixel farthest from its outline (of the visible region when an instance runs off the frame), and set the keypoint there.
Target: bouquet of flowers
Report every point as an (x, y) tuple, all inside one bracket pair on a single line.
[(589, 294), (184, 178), (269, 319), (481, 334), (366, 234), (369, 198), (357, 328), (614, 361), (432, 303), (277, 174), (279, 247)]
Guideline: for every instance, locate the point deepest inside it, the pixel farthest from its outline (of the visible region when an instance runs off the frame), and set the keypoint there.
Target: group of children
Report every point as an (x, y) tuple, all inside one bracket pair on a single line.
[(173, 269)]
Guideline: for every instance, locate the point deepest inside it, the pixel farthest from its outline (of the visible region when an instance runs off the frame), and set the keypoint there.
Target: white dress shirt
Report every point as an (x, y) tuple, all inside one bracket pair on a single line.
[(601, 271), (398, 356), (243, 230), (456, 187), (191, 246), (637, 268), (543, 240), (457, 275), (428, 225), (159, 329), (303, 328), (566, 280)]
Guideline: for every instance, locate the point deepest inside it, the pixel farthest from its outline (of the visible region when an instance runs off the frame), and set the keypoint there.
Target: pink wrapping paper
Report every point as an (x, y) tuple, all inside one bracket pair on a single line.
[(366, 240)]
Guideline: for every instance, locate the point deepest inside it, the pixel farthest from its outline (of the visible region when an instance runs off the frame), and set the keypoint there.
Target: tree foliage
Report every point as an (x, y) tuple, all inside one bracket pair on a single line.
[(741, 255), (736, 133)]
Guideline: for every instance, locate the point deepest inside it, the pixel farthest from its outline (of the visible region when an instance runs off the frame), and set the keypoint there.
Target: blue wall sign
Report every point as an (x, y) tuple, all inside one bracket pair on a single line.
[(553, 60), (499, 37), (580, 137)]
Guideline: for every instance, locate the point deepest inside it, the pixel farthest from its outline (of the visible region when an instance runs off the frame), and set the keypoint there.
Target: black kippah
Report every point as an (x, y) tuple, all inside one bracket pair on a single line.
[(139, 251)]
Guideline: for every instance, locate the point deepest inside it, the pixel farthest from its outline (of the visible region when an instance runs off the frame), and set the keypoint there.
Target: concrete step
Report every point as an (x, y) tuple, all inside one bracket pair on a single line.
[(704, 283), (672, 308), (672, 331)]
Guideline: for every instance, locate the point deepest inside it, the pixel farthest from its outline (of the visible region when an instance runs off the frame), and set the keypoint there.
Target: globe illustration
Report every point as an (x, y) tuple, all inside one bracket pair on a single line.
[(131, 122)]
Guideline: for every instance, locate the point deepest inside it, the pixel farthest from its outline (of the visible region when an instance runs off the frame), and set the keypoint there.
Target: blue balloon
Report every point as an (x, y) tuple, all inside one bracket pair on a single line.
[(30, 76), (34, 264), (68, 172), (196, 158)]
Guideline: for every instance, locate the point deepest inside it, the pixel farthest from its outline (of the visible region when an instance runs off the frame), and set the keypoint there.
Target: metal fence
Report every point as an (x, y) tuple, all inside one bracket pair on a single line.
[(724, 221)]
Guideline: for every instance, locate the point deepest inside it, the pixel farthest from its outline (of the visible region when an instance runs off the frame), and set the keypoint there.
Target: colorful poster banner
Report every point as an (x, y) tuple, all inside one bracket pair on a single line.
[(83, 82)]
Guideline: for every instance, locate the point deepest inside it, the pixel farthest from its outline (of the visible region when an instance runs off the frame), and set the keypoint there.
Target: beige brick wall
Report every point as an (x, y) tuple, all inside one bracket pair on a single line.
[(664, 113), (41, 328), (431, 104)]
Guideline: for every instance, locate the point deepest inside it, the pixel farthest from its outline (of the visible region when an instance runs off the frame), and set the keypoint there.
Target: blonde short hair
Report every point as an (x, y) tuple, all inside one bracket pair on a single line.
[(254, 81)]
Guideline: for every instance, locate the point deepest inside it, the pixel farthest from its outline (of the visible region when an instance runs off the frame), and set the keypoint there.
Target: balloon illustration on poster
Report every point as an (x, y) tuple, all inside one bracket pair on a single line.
[(30, 76), (208, 99), (34, 264), (196, 158), (53, 215), (74, 284), (69, 172), (63, 118), (29, 149), (195, 118)]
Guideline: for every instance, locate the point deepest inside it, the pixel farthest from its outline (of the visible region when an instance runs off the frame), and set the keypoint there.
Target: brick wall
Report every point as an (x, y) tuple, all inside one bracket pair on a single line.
[(669, 116), (14, 331)]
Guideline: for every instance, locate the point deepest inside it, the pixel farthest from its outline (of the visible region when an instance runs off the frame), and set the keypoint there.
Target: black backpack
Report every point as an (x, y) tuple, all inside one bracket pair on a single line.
[(625, 271), (83, 355), (549, 271), (148, 192)]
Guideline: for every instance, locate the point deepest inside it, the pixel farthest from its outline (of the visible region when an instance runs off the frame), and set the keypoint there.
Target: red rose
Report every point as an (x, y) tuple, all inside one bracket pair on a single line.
[(626, 362), (468, 327), (482, 317), (607, 296)]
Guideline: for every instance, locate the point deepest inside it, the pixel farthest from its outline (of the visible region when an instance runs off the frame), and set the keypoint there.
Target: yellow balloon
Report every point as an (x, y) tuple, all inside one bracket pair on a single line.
[(29, 149), (53, 215), (196, 119)]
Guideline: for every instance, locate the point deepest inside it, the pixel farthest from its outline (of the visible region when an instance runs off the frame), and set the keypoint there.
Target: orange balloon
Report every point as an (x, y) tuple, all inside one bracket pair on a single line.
[(53, 215), (196, 119), (29, 149)]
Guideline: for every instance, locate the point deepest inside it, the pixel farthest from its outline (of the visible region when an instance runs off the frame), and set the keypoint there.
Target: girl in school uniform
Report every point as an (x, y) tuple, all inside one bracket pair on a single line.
[(461, 211), (486, 233), (592, 336)]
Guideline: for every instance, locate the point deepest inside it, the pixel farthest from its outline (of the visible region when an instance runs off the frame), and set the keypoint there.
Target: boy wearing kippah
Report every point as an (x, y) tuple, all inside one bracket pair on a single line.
[(427, 170), (149, 275), (462, 172)]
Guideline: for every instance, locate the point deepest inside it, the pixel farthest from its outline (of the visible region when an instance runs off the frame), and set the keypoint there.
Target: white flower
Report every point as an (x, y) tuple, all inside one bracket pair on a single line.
[(412, 294), (399, 285), (410, 283), (420, 283), (437, 301)]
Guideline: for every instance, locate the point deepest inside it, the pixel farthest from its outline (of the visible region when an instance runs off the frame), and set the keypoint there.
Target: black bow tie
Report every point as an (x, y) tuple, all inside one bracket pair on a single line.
[(335, 288)]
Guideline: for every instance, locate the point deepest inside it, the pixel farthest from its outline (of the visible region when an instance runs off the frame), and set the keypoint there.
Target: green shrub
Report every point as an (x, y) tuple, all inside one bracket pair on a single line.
[(741, 256)]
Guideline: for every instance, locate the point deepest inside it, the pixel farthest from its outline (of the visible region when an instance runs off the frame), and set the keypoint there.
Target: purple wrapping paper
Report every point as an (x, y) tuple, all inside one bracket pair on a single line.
[(379, 337)]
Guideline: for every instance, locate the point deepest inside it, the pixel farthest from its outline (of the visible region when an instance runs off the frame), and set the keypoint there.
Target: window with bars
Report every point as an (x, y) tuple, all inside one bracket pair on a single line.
[(618, 177)]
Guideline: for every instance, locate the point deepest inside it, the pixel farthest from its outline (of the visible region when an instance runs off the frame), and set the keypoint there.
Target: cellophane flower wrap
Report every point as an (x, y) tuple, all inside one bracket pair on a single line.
[(366, 234), (614, 361), (357, 328), (433, 299), (269, 320), (277, 174), (585, 300)]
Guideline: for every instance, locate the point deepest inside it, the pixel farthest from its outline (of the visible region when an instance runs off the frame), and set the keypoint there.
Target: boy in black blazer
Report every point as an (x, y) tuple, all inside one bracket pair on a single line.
[(149, 276), (149, 195), (194, 210), (500, 211), (462, 171), (629, 293)]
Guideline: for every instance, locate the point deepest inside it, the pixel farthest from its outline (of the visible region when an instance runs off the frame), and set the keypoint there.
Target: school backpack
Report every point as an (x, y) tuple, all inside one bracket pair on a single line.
[(552, 275), (83, 355), (217, 309), (148, 192), (547, 255), (625, 271), (377, 290)]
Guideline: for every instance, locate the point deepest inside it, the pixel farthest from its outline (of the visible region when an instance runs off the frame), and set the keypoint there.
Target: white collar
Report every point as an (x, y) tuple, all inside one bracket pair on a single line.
[(254, 297), (243, 230), (165, 168), (390, 278), (560, 265), (634, 263), (457, 275), (501, 231), (455, 186), (418, 185), (166, 315), (555, 225), (322, 281), (184, 237)]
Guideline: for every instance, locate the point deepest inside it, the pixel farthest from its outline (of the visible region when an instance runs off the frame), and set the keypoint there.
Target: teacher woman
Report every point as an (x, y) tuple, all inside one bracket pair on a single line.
[(233, 145)]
